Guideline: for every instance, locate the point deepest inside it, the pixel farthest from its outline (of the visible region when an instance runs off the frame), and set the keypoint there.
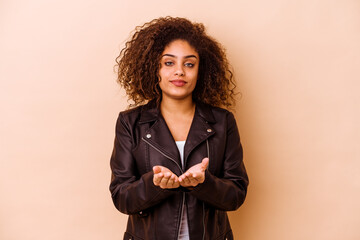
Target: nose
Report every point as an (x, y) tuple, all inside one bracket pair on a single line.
[(179, 71)]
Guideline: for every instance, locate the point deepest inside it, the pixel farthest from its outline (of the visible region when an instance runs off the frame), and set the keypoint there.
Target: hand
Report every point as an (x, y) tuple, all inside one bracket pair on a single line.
[(195, 175), (164, 178)]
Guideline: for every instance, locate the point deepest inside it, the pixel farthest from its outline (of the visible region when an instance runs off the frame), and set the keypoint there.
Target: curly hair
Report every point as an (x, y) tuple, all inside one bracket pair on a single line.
[(139, 61)]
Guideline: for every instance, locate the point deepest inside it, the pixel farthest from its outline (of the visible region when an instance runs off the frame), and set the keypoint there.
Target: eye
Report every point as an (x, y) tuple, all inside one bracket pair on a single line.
[(189, 65), (168, 63)]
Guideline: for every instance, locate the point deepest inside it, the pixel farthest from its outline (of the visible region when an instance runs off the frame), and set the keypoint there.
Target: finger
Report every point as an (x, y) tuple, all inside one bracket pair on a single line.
[(176, 183), (175, 178), (164, 180), (204, 163), (184, 184), (181, 178), (186, 179), (171, 181), (157, 179), (188, 182)]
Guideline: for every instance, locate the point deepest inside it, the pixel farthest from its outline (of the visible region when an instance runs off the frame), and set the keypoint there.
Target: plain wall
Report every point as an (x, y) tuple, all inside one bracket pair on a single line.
[(296, 64)]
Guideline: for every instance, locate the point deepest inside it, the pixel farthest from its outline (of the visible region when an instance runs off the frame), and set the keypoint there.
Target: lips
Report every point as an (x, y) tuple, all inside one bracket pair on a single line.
[(178, 83)]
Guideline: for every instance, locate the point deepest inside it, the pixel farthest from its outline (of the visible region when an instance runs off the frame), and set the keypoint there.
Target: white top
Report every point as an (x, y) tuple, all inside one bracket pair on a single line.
[(180, 145), (184, 229)]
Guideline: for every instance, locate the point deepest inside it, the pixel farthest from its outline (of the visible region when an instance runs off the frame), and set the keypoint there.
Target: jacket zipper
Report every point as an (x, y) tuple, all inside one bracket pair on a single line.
[(181, 170), (157, 149)]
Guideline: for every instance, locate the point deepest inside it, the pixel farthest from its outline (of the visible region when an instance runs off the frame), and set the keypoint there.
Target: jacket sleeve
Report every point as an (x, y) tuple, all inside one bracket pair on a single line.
[(131, 193), (227, 192)]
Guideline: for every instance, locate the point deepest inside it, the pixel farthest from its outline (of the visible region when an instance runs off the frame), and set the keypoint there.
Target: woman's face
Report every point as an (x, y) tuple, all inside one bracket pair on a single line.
[(179, 66)]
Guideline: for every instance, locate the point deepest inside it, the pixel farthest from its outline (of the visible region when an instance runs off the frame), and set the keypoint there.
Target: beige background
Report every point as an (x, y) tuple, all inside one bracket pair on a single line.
[(296, 64)]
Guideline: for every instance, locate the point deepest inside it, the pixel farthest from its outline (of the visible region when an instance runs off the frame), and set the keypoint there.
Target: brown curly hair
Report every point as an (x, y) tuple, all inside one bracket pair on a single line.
[(139, 61)]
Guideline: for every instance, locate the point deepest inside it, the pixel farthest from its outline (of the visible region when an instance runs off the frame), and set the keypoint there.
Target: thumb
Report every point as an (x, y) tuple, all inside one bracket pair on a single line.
[(205, 163), (156, 169)]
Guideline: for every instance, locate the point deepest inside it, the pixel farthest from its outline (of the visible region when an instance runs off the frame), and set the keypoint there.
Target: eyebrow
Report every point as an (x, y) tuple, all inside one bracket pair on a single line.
[(170, 55)]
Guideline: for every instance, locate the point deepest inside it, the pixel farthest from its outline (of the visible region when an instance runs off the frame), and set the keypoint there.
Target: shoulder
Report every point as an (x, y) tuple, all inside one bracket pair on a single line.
[(220, 111), (129, 117), (131, 112), (140, 114), (217, 113)]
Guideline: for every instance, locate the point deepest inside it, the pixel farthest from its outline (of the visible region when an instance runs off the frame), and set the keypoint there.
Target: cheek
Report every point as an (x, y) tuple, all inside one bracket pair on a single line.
[(194, 75), (161, 85), (163, 74), (194, 83)]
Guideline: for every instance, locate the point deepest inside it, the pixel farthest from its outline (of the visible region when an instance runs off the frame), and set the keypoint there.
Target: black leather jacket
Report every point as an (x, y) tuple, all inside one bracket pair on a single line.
[(143, 140)]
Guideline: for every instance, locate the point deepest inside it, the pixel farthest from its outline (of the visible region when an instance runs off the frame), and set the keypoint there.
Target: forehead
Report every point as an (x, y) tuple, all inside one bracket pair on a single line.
[(180, 48)]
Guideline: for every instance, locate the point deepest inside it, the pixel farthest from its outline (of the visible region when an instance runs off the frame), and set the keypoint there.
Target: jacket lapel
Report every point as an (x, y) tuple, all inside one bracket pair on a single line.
[(200, 129), (160, 136)]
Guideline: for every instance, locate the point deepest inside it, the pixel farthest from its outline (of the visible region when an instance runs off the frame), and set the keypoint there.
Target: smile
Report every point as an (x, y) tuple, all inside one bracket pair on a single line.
[(178, 83)]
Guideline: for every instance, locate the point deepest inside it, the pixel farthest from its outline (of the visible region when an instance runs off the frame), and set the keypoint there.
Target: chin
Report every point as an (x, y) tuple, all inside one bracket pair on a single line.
[(178, 96)]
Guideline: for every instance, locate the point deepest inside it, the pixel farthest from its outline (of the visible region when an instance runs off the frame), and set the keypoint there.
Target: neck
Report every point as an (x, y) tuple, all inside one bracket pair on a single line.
[(175, 106)]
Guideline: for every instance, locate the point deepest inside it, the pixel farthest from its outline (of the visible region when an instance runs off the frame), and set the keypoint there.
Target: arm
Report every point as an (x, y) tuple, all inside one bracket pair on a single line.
[(228, 192), (131, 192)]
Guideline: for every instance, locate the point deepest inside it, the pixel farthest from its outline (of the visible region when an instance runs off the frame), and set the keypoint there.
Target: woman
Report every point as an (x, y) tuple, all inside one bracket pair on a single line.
[(177, 160)]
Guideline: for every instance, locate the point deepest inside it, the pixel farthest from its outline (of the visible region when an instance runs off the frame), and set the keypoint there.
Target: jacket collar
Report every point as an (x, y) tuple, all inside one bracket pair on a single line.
[(160, 136), (150, 112)]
